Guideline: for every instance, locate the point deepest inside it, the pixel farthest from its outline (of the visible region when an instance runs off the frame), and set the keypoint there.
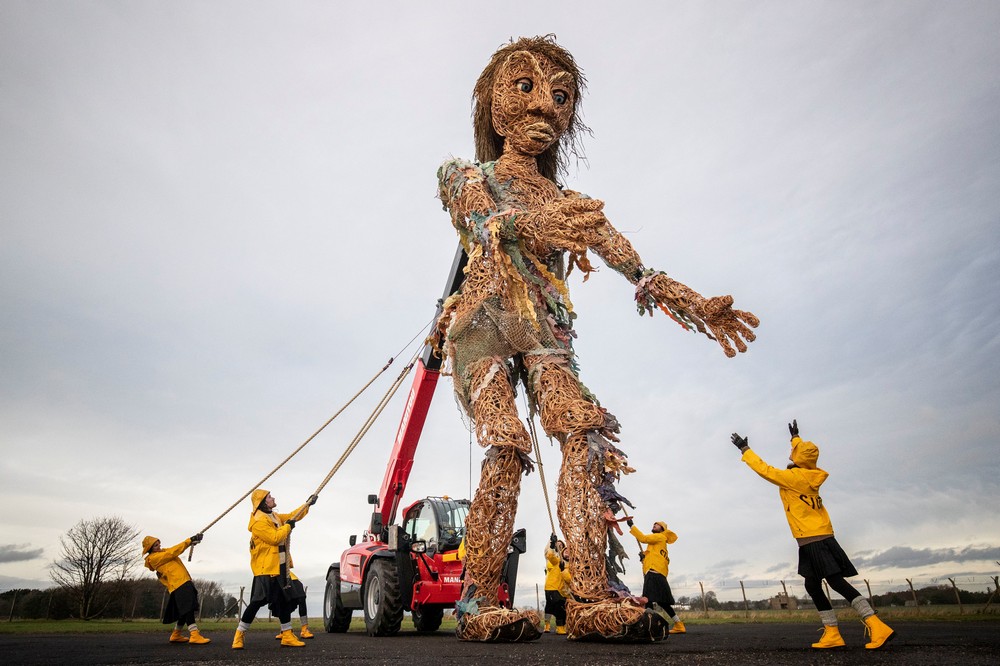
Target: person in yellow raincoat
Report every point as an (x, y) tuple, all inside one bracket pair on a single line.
[(820, 556), (655, 566), (557, 578), (182, 603), (270, 562)]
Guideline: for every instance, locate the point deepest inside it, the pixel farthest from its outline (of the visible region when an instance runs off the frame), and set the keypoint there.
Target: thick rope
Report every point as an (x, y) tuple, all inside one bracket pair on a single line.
[(300, 447), (370, 422), (353, 445), (365, 429), (541, 467)]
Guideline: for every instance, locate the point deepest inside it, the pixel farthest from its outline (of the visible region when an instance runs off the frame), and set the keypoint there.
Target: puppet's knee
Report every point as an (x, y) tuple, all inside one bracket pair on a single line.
[(563, 406)]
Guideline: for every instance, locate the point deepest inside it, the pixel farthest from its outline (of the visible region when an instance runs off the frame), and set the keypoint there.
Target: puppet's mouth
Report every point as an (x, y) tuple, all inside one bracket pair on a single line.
[(541, 132)]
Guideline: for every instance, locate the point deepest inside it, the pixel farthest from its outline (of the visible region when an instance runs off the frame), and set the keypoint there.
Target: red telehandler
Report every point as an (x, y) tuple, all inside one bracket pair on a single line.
[(399, 568)]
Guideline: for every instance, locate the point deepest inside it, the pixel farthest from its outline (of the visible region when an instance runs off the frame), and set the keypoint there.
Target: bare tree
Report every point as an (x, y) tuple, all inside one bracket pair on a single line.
[(96, 556)]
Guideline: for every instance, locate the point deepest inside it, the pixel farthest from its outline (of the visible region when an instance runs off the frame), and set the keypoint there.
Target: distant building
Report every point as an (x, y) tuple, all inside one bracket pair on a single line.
[(782, 601)]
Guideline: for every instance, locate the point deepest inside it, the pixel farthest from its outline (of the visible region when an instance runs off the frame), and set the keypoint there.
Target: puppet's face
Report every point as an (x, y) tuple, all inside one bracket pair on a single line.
[(532, 103)]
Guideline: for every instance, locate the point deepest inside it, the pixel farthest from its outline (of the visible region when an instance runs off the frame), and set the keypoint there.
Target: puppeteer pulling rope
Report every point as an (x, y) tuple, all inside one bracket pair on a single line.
[(513, 322)]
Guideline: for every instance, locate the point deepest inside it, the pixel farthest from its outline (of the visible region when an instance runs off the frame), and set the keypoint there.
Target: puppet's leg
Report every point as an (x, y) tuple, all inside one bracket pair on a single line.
[(490, 523), (594, 612)]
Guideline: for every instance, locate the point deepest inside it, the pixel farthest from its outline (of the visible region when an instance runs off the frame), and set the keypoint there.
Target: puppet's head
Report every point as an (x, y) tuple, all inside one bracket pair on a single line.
[(529, 94)]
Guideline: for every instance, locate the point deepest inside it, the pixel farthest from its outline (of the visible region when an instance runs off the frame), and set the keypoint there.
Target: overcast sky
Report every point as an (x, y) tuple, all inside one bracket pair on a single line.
[(218, 220)]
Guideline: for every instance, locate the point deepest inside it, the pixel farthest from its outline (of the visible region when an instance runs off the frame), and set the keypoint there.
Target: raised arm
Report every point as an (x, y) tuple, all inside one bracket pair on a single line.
[(576, 223), (715, 317), (651, 539)]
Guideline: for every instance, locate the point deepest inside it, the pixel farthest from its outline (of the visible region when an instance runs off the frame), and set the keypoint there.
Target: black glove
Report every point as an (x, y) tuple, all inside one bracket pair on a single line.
[(197, 538), (629, 522), (562, 566), (312, 499), (793, 428), (291, 523), (742, 443), (552, 541)]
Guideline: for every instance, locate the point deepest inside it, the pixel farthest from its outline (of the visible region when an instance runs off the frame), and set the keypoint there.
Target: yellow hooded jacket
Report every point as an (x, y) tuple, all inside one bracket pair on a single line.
[(556, 579), (168, 566), (798, 488), (656, 557), (267, 536)]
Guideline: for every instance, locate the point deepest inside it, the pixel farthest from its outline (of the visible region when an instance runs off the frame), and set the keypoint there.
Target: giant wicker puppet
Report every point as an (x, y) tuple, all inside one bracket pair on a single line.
[(513, 322)]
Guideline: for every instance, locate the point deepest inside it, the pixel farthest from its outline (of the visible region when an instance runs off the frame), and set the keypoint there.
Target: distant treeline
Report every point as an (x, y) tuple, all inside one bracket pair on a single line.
[(131, 599)]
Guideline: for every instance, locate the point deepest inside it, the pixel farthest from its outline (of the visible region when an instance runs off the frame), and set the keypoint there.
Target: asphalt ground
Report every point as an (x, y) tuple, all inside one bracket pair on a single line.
[(917, 643)]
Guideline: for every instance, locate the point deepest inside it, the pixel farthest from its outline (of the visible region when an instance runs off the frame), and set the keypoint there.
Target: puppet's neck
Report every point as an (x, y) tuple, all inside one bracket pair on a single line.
[(517, 164)]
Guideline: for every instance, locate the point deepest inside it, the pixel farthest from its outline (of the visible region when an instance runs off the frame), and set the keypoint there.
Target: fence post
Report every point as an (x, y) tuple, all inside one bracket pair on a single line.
[(704, 603), (746, 605), (163, 602), (913, 593), (13, 602), (996, 588), (788, 604), (958, 597), (538, 604)]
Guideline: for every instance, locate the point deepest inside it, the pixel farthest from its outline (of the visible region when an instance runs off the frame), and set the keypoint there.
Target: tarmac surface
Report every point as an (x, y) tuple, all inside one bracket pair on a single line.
[(916, 643)]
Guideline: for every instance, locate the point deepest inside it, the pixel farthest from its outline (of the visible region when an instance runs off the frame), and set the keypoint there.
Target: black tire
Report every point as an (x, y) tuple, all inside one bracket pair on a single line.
[(336, 618), (428, 619), (383, 600)]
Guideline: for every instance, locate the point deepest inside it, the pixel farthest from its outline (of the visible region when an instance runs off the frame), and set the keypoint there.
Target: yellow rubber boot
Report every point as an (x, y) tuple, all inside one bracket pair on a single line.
[(879, 632), (561, 629), (288, 639), (831, 638), (278, 635), (304, 632), (238, 639), (678, 628), (547, 626), (177, 636), (198, 639)]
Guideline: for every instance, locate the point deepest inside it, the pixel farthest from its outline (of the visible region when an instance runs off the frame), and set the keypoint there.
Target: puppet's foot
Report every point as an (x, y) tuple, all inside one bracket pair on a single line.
[(499, 625), (618, 620)]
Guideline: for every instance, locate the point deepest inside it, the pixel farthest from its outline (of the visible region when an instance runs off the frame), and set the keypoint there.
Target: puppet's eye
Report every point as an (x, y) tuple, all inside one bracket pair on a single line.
[(524, 85), (560, 97)]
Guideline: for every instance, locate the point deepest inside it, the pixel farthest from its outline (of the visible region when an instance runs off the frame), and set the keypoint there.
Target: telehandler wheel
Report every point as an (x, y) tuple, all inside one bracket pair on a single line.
[(428, 619), (383, 599), (336, 618)]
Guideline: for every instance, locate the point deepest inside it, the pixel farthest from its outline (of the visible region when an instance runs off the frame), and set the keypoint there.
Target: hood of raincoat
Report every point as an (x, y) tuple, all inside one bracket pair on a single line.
[(804, 454), (256, 497), (147, 543), (661, 524)]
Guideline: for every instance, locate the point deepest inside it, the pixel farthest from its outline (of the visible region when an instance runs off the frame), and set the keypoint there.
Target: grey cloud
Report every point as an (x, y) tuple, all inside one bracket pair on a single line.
[(19, 553), (906, 557), (782, 567)]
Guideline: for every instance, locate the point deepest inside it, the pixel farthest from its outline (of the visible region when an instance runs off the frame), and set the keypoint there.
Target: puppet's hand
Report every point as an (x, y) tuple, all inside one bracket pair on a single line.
[(728, 324), (715, 317)]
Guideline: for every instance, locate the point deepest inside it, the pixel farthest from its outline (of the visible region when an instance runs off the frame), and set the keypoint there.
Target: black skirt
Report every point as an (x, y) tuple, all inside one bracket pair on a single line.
[(268, 589), (822, 559), (656, 588), (182, 604)]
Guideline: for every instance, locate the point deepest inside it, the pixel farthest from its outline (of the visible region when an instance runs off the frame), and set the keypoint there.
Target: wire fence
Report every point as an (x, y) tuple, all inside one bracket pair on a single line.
[(968, 594)]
